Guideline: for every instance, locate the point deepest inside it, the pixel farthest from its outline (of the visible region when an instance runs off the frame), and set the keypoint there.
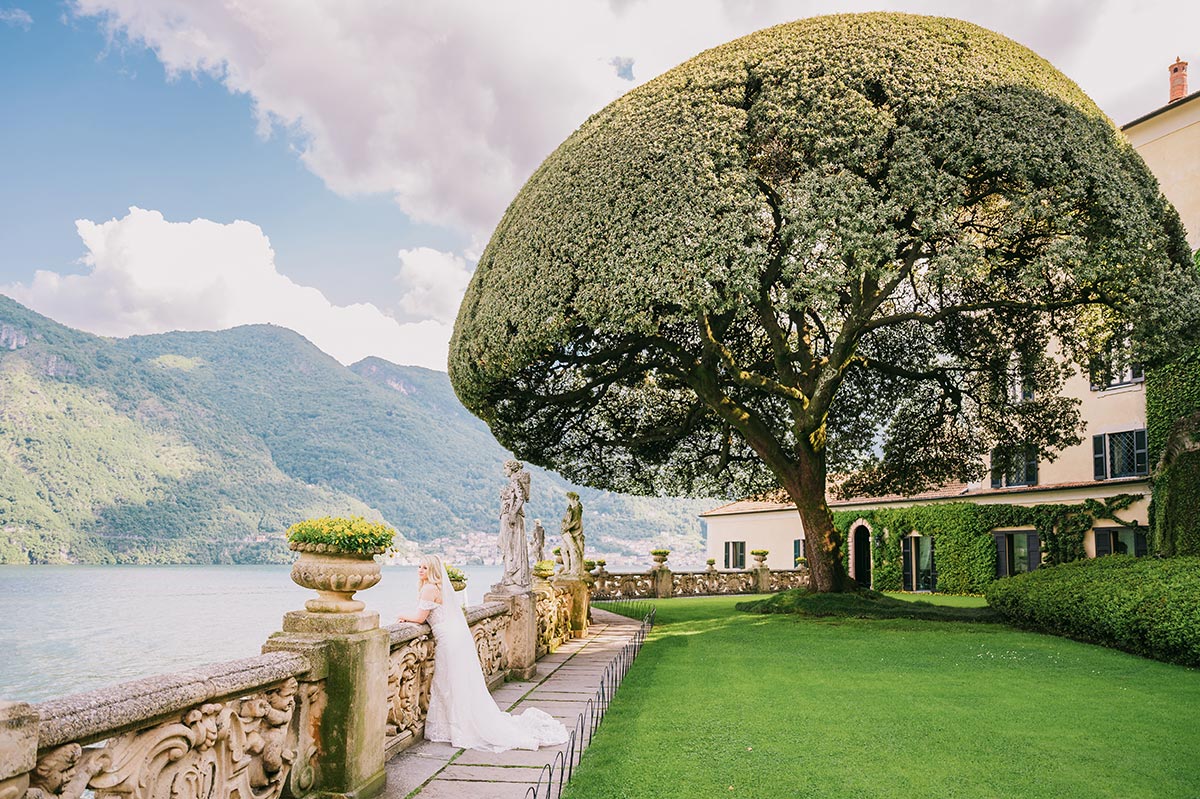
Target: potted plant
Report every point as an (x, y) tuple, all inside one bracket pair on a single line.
[(589, 565), (458, 580), (600, 562), (337, 558), (712, 564), (801, 562), (760, 556), (660, 556), (543, 569)]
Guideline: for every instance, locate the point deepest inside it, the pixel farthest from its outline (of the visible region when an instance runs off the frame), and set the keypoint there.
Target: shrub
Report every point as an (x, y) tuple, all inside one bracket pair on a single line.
[(354, 534), (543, 568), (762, 552), (662, 552), (1146, 606)]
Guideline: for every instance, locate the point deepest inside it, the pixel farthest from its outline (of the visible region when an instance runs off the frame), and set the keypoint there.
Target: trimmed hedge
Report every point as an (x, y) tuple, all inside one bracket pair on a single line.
[(1146, 606)]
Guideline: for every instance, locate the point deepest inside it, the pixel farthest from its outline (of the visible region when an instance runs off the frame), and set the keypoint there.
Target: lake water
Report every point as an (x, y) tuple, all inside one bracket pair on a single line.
[(67, 629)]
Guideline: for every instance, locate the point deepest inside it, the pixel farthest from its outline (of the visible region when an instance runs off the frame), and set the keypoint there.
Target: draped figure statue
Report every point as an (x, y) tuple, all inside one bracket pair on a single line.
[(513, 546), (572, 536)]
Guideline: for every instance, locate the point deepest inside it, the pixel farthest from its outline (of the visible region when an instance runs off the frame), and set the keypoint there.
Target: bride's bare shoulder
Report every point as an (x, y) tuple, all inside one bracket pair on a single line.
[(430, 593)]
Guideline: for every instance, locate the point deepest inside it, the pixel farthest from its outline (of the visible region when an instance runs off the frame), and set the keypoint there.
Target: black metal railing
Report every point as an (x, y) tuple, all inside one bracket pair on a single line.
[(557, 773)]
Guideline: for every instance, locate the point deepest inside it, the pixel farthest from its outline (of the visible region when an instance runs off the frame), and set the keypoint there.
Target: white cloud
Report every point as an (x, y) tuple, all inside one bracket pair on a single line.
[(449, 106), (16, 17), (434, 283), (148, 275)]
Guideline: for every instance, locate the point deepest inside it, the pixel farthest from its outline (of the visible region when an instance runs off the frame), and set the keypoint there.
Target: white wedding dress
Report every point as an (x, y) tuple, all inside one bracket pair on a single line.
[(461, 710)]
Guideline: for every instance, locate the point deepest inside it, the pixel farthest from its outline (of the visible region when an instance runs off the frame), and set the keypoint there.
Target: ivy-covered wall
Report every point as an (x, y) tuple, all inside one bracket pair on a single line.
[(1172, 408), (965, 550), (1172, 392), (1175, 523)]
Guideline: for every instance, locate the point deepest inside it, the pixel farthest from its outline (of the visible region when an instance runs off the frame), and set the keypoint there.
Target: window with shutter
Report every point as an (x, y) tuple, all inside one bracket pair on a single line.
[(1022, 468), (1121, 454)]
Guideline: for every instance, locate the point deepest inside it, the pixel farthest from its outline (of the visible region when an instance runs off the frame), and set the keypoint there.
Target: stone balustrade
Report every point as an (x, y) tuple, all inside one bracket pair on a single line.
[(288, 722), (225, 730), (660, 582)]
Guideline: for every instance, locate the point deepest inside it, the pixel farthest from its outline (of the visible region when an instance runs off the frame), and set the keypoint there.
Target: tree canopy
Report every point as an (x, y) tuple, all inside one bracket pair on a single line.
[(834, 245)]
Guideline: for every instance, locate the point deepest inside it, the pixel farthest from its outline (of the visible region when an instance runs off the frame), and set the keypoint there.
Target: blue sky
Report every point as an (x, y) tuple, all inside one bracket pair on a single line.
[(337, 167), (92, 128)]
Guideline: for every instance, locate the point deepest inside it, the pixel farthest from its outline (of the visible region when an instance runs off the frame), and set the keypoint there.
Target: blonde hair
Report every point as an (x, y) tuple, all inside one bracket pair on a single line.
[(433, 571)]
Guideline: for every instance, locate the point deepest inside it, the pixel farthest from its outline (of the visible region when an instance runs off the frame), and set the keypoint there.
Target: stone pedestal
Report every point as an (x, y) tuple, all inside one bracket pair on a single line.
[(350, 652), (581, 602), (18, 747), (664, 585), (762, 579), (521, 634)]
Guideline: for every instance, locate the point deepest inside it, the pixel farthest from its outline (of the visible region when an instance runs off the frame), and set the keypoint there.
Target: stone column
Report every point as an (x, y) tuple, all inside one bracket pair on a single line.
[(350, 653), (581, 602), (762, 579), (18, 747), (664, 585), (521, 633)]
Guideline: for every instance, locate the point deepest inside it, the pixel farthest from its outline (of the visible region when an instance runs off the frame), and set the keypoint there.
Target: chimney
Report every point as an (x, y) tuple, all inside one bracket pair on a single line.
[(1178, 80)]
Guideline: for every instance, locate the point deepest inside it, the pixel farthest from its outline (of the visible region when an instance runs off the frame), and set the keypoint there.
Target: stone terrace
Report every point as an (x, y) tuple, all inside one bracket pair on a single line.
[(565, 681)]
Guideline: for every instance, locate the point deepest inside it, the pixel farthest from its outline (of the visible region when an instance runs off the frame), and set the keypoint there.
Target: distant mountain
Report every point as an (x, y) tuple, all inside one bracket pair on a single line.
[(204, 447)]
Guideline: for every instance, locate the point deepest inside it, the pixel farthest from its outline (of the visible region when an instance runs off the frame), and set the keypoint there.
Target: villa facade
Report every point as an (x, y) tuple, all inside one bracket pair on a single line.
[(1112, 459)]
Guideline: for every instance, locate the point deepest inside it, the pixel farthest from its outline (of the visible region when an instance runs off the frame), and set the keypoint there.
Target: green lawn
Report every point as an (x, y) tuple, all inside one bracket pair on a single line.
[(727, 704)]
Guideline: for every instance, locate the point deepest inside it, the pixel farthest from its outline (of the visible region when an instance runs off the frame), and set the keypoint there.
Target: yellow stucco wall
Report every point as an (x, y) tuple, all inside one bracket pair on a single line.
[(774, 531), (1169, 143)]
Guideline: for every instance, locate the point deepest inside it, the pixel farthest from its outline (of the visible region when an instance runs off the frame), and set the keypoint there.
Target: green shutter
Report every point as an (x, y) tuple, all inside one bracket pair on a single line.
[(1098, 457), (1141, 463), (1034, 542)]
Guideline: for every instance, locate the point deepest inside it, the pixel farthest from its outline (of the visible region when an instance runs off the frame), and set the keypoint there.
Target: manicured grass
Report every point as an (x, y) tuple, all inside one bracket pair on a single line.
[(722, 703)]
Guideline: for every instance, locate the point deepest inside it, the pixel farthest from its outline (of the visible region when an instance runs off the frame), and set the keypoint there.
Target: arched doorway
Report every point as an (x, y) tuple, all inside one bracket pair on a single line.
[(862, 556)]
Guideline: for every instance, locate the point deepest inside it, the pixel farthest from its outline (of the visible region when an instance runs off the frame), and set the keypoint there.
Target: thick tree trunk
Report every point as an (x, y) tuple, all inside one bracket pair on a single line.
[(806, 486)]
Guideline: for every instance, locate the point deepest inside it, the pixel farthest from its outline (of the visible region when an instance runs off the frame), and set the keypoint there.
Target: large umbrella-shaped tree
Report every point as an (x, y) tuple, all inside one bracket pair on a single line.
[(830, 247)]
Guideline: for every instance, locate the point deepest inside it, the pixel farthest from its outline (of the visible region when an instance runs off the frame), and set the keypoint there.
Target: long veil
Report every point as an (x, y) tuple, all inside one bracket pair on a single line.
[(457, 604)]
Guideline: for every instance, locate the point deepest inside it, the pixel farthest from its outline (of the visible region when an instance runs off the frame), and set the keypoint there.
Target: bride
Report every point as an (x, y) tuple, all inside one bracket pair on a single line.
[(461, 710)]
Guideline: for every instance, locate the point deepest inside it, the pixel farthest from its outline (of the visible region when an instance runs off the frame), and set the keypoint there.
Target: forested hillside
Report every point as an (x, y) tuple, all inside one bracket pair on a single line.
[(204, 447)]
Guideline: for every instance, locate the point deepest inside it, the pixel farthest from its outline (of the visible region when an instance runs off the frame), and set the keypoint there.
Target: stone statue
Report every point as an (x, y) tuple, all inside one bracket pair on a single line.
[(572, 536), (514, 548), (537, 547)]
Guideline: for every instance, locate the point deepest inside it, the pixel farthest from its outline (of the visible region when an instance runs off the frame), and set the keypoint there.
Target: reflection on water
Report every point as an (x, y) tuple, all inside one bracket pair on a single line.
[(67, 629)]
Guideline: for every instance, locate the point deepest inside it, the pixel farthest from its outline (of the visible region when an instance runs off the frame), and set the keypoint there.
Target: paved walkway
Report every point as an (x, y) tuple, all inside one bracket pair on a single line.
[(562, 686)]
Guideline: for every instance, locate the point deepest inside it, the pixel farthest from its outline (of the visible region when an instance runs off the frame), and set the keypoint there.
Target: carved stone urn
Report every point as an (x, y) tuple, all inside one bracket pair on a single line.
[(335, 575), (458, 585), (760, 558)]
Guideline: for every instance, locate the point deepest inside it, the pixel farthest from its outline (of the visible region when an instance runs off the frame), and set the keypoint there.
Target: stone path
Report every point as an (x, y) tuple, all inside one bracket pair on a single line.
[(564, 682)]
